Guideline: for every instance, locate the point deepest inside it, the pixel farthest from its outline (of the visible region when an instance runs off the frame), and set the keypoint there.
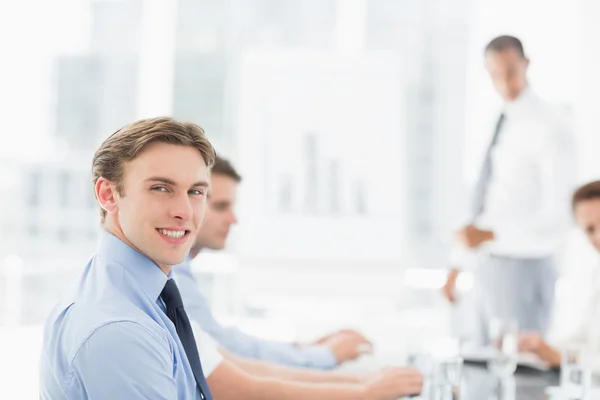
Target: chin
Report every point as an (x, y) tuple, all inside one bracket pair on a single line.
[(170, 260), (511, 97), (218, 246)]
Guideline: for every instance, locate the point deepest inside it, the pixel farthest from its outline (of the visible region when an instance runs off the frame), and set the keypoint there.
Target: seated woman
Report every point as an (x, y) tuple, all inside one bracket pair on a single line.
[(586, 209)]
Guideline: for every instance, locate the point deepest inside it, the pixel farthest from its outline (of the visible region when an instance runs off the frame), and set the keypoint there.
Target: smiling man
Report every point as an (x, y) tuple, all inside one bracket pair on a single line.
[(123, 333)]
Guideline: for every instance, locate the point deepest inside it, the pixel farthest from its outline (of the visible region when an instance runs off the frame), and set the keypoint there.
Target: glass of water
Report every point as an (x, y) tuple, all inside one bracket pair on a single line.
[(503, 335), (506, 389), (575, 376), (425, 364), (447, 379)]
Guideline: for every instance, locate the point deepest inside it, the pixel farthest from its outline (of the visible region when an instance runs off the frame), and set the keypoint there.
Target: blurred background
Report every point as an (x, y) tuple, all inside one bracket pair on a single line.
[(351, 121)]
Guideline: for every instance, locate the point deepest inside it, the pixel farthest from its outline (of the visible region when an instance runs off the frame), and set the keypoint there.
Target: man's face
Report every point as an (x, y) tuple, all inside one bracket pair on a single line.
[(587, 215), (163, 202), (220, 213), (508, 71)]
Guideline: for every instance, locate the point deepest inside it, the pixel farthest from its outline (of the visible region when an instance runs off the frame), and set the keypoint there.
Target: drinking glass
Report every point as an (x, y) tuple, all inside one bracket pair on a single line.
[(575, 376), (503, 336), (447, 379)]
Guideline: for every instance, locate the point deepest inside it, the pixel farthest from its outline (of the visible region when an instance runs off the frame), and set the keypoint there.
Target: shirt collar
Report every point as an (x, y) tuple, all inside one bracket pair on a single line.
[(145, 272), (520, 104)]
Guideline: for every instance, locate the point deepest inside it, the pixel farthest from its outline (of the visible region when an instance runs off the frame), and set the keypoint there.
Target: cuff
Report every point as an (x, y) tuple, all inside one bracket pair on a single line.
[(321, 357)]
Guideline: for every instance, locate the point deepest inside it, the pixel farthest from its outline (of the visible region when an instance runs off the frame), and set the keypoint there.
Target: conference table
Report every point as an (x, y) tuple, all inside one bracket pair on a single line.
[(526, 384), (477, 382)]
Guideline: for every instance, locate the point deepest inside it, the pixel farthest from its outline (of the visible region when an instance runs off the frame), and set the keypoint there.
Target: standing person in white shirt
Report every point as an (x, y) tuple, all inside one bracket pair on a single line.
[(520, 205), (586, 209)]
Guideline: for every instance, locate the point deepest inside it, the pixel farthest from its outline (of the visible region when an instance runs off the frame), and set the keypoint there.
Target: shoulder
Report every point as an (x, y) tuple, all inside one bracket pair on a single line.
[(123, 341), (123, 359), (551, 124), (80, 324), (550, 114)]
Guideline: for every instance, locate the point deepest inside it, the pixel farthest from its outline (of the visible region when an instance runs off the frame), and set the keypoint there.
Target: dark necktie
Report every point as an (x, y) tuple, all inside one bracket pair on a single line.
[(176, 313), (480, 190)]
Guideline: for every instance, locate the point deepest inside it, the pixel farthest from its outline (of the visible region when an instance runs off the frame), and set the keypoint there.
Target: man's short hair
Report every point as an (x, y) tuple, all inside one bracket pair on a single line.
[(222, 166), (505, 42), (589, 191), (128, 142)]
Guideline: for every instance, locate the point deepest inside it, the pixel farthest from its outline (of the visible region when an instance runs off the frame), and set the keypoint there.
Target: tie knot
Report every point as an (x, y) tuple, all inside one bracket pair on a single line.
[(170, 295)]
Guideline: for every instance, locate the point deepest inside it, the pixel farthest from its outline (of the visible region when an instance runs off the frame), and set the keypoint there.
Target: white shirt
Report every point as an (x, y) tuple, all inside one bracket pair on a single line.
[(527, 203), (207, 348), (587, 333)]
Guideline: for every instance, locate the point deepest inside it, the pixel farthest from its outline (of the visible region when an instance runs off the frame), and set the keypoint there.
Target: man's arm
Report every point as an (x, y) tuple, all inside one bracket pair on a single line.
[(123, 361), (449, 288), (242, 344), (268, 370), (228, 382)]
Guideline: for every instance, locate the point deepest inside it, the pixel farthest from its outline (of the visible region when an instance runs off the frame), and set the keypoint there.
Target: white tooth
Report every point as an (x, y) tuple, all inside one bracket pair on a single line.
[(172, 234)]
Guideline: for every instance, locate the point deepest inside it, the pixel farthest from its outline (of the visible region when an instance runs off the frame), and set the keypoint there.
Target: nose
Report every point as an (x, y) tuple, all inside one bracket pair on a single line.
[(233, 218), (181, 207)]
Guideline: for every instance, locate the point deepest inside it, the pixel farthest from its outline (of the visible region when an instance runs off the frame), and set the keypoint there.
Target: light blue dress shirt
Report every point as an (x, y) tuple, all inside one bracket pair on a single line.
[(110, 338), (240, 343)]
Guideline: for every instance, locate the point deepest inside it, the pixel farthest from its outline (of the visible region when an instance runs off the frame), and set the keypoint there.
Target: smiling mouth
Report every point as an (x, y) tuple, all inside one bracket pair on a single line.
[(173, 234)]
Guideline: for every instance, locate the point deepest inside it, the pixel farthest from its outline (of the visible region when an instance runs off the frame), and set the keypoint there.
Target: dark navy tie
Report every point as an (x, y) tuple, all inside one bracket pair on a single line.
[(176, 313), (481, 187)]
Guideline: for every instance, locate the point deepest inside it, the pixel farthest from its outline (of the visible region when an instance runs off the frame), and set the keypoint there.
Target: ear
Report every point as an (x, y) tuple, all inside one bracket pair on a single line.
[(106, 193), (526, 62)]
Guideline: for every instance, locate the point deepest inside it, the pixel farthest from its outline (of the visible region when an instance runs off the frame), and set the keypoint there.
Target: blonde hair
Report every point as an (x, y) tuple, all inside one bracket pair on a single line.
[(128, 142)]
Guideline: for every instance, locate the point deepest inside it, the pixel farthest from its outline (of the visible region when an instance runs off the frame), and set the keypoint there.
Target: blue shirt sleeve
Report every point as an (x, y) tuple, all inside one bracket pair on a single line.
[(242, 344), (123, 361)]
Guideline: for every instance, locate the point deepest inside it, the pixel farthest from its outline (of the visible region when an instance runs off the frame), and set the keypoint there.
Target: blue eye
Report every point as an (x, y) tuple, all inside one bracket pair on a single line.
[(160, 189), (196, 192)]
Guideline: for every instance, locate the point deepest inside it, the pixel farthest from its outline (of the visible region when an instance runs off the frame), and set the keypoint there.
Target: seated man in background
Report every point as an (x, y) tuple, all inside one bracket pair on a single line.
[(325, 353), (236, 373), (586, 209)]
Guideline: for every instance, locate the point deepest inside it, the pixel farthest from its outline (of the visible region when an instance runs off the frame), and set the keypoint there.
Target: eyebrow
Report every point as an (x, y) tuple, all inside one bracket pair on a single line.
[(171, 182)]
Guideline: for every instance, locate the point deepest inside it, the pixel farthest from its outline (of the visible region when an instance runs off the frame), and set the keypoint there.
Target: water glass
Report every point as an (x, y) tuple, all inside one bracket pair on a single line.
[(575, 376), (503, 335), (505, 389), (447, 379), (426, 365)]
